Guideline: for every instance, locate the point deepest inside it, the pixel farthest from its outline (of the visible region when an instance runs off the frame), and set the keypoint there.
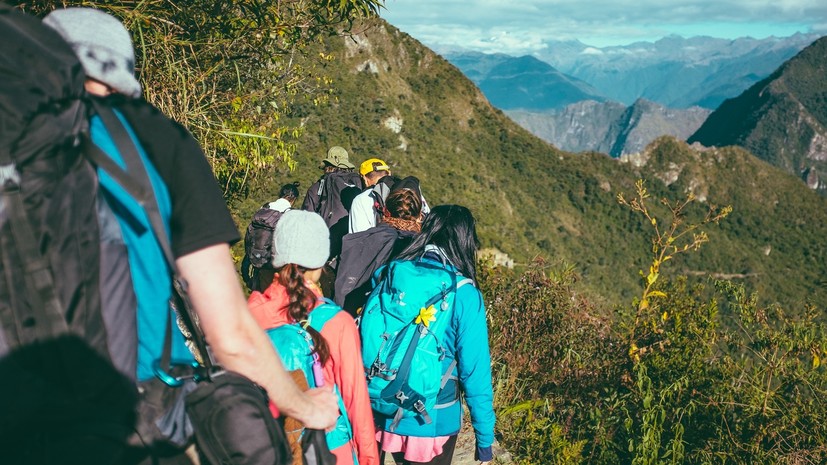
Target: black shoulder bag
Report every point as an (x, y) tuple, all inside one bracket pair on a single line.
[(229, 413)]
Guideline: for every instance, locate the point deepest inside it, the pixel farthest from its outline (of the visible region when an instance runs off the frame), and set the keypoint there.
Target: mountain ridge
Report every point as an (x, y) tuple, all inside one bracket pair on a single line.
[(397, 100), (525, 82), (781, 119)]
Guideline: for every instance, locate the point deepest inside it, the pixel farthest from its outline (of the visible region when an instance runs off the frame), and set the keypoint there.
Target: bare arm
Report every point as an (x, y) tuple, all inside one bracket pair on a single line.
[(237, 341)]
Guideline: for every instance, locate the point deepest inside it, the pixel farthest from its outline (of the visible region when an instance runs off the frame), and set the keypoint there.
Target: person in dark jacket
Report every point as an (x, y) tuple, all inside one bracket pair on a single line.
[(365, 252), (336, 160)]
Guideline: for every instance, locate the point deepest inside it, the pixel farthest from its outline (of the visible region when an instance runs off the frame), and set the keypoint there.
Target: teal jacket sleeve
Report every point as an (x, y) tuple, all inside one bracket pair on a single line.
[(474, 366)]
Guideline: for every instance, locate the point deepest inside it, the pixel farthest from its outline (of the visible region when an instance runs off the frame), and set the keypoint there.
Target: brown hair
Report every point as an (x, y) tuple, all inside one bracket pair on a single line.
[(376, 175), (405, 204), (302, 300)]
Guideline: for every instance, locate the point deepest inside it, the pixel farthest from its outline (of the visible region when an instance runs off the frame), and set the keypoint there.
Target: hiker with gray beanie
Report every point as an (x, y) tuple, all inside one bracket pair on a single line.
[(103, 47), (301, 246)]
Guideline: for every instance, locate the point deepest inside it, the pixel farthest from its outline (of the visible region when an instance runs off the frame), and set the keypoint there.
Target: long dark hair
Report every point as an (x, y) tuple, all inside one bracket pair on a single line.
[(302, 300), (452, 229)]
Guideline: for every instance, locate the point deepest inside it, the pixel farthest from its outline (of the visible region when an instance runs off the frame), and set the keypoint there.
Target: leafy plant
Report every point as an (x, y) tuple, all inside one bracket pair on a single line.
[(676, 336), (668, 241)]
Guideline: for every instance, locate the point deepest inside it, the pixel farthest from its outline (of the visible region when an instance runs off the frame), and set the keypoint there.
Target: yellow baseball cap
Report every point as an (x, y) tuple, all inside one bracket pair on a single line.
[(373, 164)]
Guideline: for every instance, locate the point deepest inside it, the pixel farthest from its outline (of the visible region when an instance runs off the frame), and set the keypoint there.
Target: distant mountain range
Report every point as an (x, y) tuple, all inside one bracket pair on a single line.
[(676, 72), (610, 127), (782, 119), (673, 71), (667, 86), (523, 82)]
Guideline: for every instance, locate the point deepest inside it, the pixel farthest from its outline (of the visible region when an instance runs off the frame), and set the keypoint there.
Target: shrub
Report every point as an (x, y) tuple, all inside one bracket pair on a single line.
[(689, 373)]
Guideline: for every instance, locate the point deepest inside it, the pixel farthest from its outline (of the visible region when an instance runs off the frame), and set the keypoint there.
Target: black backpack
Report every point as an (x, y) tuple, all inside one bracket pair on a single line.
[(330, 194), (63, 328), (48, 188), (61, 398), (258, 241), (258, 246)]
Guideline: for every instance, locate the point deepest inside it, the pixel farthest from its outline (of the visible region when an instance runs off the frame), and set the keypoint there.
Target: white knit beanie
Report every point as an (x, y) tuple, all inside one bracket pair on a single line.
[(301, 238), (102, 45)]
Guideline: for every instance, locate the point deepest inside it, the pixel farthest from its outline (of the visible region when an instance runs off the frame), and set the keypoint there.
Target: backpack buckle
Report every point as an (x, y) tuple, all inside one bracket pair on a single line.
[(170, 380), (445, 291), (419, 406), (376, 369)]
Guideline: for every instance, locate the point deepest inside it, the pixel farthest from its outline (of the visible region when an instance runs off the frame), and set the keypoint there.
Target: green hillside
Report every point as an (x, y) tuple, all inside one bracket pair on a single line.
[(398, 100)]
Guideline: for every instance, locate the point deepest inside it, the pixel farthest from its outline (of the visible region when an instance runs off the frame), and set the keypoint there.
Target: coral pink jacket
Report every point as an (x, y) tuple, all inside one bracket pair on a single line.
[(344, 367)]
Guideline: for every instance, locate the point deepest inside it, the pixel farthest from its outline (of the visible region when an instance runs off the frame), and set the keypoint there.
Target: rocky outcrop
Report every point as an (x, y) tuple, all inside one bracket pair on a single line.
[(645, 121)]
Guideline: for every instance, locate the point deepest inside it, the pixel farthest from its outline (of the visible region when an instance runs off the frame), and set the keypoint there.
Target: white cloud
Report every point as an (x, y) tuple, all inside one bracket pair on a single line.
[(524, 26)]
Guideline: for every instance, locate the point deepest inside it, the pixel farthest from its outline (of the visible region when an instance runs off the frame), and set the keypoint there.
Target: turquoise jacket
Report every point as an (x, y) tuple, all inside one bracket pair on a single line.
[(466, 340)]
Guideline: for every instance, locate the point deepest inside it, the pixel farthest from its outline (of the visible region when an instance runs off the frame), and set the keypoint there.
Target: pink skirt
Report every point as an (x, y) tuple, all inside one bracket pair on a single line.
[(416, 449)]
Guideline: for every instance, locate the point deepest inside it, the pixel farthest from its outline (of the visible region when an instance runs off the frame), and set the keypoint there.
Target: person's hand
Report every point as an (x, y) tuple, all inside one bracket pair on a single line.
[(322, 410)]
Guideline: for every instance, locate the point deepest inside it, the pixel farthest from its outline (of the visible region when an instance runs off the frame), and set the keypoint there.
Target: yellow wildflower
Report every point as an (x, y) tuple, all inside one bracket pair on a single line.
[(426, 316)]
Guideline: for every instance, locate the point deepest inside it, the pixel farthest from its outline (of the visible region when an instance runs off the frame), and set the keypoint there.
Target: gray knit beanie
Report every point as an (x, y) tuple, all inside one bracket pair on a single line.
[(301, 238), (102, 45)]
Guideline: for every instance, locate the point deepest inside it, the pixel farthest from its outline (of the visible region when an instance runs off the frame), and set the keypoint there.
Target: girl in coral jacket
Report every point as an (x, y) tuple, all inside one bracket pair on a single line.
[(301, 247)]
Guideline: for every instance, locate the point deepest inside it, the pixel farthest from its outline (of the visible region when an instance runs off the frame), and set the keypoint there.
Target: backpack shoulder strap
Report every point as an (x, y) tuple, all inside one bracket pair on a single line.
[(321, 186), (323, 313), (136, 182), (379, 193), (464, 282)]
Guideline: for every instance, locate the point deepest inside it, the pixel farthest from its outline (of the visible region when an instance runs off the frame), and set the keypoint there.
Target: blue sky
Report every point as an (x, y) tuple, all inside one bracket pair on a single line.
[(524, 26)]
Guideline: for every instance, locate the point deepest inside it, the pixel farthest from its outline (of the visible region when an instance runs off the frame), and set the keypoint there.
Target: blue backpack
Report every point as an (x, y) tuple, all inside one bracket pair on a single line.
[(402, 326), (295, 347)]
